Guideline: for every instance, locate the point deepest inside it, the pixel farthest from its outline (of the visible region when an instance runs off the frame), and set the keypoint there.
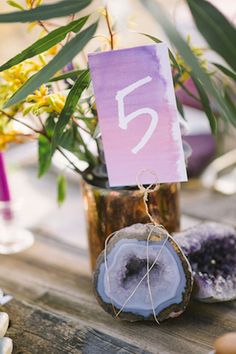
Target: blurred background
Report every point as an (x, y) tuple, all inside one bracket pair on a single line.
[(37, 197), (15, 37)]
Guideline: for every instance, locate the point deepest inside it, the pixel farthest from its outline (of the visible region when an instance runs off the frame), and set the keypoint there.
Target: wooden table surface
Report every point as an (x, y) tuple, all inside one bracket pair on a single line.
[(54, 310)]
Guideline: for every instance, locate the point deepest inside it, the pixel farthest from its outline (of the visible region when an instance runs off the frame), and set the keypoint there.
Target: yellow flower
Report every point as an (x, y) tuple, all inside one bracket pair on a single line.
[(11, 80), (41, 101), (29, 4), (17, 75), (32, 25), (38, 2), (15, 4), (198, 52), (10, 137), (53, 51), (33, 3)]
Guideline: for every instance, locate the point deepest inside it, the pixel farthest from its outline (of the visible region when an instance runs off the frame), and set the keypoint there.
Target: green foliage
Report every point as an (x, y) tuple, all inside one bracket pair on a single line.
[(190, 59), (226, 71), (216, 29), (61, 189), (44, 12), (69, 108), (44, 147), (44, 155), (206, 105), (180, 107), (66, 54), (230, 103), (45, 43), (73, 74), (70, 142), (76, 116)]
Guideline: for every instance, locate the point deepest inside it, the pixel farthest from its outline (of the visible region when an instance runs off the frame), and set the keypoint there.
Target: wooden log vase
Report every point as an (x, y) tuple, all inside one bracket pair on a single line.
[(110, 209)]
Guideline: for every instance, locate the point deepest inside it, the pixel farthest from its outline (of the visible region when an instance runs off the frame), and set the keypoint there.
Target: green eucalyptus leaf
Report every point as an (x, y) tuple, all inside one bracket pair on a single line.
[(72, 99), (216, 29), (50, 125), (69, 142), (190, 59), (180, 107), (66, 54), (231, 106), (206, 105), (45, 43), (185, 89), (73, 74), (61, 189), (226, 71), (44, 12), (44, 155)]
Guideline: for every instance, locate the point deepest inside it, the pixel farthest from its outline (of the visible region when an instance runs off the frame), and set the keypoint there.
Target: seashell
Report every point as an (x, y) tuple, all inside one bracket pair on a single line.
[(6, 345), (123, 290), (211, 251), (4, 323)]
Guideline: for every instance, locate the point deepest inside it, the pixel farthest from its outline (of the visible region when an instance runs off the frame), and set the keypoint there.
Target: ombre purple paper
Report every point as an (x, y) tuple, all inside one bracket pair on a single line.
[(137, 115)]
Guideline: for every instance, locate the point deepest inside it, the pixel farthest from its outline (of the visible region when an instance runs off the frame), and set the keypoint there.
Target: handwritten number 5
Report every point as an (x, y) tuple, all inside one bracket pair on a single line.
[(125, 119)]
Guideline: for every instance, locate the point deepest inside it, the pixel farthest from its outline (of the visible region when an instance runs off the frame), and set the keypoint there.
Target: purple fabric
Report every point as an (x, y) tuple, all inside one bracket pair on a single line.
[(203, 151)]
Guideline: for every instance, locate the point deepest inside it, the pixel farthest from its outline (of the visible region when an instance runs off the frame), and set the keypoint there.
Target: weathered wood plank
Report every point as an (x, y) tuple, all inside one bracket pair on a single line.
[(208, 205), (84, 309), (200, 324), (37, 331), (70, 293)]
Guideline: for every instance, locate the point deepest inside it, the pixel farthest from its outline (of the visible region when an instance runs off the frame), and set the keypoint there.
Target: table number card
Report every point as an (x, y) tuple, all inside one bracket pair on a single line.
[(137, 115)]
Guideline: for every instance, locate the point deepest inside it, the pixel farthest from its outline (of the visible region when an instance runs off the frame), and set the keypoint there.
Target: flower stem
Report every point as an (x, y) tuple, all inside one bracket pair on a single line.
[(109, 28), (19, 121), (44, 133)]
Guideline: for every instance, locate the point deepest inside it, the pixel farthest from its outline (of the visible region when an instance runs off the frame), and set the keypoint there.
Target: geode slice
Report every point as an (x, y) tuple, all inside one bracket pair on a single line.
[(211, 250), (170, 277)]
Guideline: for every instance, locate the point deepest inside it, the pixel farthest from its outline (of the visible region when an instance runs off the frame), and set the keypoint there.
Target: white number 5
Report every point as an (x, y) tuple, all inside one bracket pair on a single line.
[(124, 120)]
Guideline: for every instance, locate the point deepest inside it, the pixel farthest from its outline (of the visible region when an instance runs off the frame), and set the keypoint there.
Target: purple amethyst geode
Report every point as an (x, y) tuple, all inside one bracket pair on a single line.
[(170, 277), (211, 250)]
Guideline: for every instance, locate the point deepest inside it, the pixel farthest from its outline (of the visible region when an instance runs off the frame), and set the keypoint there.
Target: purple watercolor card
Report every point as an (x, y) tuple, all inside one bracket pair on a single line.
[(138, 115)]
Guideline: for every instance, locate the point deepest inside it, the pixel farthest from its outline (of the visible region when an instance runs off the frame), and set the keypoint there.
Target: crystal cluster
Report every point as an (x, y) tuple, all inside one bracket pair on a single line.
[(211, 250)]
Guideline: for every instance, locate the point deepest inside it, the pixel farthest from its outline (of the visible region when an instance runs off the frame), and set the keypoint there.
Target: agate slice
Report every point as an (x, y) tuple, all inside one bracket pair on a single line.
[(211, 250), (170, 278)]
